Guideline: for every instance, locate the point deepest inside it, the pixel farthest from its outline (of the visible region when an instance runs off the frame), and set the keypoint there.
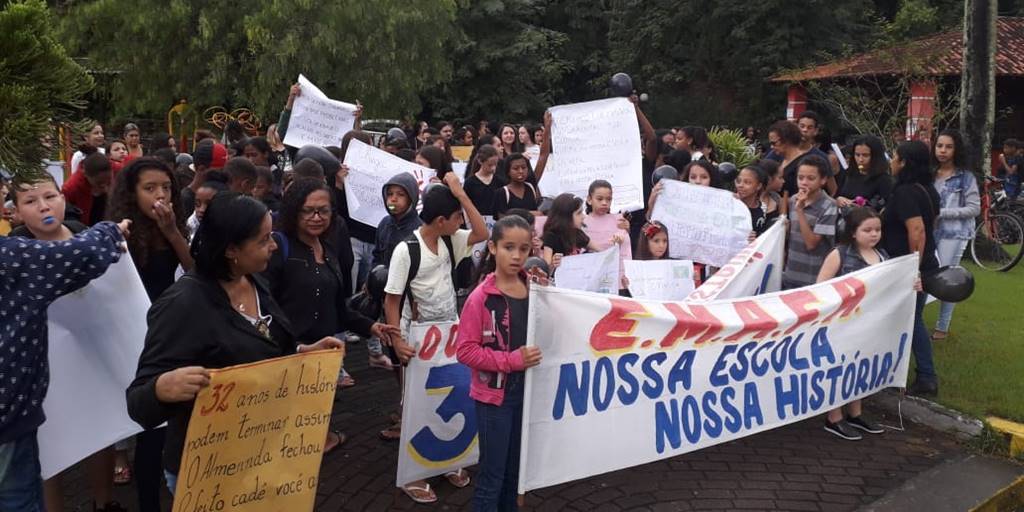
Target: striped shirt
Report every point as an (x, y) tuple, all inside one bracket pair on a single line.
[(803, 264)]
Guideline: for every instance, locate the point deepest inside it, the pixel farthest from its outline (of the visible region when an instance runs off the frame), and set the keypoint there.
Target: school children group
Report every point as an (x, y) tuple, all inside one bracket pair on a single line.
[(247, 251)]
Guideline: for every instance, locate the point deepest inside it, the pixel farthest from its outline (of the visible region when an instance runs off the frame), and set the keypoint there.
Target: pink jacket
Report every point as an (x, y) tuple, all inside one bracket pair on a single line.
[(483, 346)]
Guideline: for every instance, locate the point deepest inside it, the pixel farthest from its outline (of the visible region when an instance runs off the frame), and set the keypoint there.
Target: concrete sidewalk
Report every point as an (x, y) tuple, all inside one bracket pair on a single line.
[(797, 467)]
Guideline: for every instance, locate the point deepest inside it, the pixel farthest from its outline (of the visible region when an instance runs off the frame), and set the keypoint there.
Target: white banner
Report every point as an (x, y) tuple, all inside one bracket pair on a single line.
[(705, 224), (317, 119), (480, 248), (369, 169), (755, 270), (95, 337), (659, 279), (439, 432), (592, 272), (645, 380), (596, 140)]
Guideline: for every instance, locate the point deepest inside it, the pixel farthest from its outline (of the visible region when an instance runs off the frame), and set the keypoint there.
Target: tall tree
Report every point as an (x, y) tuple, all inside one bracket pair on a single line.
[(40, 86), (978, 89), (245, 55)]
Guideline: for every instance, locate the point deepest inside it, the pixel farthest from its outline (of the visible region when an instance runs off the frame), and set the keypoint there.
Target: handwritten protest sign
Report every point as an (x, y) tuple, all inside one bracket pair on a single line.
[(705, 224), (439, 431), (317, 119), (659, 279), (592, 272), (755, 270), (96, 335), (596, 140), (369, 169), (256, 437), (648, 380)]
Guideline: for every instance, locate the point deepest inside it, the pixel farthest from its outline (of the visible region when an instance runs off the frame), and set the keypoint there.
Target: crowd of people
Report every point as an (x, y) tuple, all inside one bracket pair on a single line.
[(246, 248)]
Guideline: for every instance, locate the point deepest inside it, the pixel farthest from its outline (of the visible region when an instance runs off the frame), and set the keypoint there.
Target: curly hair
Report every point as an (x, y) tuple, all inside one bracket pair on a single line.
[(124, 204), (293, 201)]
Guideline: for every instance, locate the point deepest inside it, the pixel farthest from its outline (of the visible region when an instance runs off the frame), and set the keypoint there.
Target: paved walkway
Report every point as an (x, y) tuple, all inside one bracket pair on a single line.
[(797, 467)]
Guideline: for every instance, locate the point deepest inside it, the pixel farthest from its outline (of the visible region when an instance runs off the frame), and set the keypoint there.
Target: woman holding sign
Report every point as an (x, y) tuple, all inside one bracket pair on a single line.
[(220, 314)]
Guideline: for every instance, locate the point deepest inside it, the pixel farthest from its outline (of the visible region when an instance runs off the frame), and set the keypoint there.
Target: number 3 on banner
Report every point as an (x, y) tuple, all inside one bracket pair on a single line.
[(425, 446)]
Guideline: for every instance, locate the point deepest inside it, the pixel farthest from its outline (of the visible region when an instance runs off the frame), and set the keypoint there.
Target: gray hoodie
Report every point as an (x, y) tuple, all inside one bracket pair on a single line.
[(394, 229)]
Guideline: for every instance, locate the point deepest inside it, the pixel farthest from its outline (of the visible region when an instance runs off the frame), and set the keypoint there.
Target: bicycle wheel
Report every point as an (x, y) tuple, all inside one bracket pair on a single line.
[(997, 242)]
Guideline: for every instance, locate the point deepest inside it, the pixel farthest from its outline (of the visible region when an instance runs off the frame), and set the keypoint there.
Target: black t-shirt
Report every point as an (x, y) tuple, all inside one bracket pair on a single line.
[(910, 200), (505, 200), (557, 245), (875, 189), (158, 273), (519, 310), (99, 209), (482, 194)]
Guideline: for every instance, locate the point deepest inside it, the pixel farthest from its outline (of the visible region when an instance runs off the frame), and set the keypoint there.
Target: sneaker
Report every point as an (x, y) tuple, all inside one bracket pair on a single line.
[(922, 389), (842, 430), (381, 361), (862, 424)]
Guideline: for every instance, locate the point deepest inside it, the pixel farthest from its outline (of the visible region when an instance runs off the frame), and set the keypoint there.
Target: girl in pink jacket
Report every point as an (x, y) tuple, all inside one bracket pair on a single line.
[(492, 343)]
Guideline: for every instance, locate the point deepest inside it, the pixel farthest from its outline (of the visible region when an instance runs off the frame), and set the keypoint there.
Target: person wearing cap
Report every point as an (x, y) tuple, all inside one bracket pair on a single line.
[(208, 155)]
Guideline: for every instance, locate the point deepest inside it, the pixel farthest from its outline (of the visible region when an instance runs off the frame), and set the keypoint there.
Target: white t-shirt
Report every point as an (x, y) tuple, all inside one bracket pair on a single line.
[(79, 156), (432, 288)]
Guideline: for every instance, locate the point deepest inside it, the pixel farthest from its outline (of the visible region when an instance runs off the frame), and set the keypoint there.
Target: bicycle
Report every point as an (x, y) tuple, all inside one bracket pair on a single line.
[(997, 239)]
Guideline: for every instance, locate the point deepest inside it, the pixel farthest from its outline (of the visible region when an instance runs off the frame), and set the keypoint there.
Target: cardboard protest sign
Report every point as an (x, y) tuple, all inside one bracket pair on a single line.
[(256, 437), (369, 169), (659, 279), (593, 272), (755, 270), (317, 119), (439, 431), (95, 337), (462, 153), (596, 140), (647, 380), (704, 224)]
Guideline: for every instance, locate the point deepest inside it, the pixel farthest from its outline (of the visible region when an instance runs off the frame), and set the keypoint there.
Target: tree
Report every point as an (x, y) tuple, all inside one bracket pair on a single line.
[(40, 86), (978, 89), (246, 55)]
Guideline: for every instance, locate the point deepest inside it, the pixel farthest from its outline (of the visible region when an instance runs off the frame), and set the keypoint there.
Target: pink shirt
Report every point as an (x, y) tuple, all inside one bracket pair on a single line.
[(601, 229)]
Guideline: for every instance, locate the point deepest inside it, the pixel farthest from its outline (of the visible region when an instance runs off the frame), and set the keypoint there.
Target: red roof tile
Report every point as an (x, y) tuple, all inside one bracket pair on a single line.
[(935, 55)]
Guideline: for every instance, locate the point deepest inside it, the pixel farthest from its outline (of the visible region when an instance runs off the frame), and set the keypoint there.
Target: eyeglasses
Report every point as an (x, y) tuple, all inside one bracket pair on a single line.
[(308, 213)]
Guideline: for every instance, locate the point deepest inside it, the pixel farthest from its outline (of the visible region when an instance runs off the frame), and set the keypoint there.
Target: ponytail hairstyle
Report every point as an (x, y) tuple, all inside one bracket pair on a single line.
[(650, 229), (507, 222)]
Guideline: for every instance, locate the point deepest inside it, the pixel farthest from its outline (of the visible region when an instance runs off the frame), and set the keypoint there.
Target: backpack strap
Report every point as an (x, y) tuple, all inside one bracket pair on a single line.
[(415, 255), (282, 242)]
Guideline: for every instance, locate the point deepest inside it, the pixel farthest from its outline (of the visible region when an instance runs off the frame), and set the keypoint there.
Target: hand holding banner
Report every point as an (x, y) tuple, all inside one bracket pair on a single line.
[(317, 119), (255, 440), (704, 224)]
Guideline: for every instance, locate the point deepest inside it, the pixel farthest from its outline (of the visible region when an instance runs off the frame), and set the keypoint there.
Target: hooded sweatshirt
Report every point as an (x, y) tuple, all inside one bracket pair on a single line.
[(395, 228)]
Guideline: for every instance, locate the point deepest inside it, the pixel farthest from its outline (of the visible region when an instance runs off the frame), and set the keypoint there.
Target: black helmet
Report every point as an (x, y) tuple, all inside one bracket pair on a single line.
[(728, 171), (534, 261), (376, 281), (620, 84), (319, 155), (664, 172), (395, 137), (949, 284)]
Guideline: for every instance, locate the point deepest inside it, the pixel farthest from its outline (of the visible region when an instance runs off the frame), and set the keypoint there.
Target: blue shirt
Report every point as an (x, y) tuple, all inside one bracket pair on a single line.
[(33, 274)]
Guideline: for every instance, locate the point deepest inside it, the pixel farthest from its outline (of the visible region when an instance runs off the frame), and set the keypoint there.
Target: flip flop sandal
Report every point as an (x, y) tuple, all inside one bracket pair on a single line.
[(122, 475), (420, 494), (392, 433), (458, 478), (938, 335), (341, 440), (346, 382)]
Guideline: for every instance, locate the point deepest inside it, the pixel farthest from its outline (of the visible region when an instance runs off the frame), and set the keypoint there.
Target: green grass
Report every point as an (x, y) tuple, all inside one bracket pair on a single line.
[(981, 363)]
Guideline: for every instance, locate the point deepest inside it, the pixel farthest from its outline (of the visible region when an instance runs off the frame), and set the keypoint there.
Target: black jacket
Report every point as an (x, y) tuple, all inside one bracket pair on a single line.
[(193, 324), (292, 283)]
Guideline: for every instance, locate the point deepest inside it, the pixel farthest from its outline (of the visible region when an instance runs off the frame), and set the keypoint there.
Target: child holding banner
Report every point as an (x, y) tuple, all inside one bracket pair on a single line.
[(606, 229), (492, 343), (862, 234)]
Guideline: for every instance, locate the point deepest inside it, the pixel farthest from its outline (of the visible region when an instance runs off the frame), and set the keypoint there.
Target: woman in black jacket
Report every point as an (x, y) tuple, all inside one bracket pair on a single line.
[(305, 277), (220, 314)]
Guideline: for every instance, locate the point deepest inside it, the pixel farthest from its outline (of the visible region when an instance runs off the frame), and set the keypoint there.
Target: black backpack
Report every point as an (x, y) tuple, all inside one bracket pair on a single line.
[(413, 244)]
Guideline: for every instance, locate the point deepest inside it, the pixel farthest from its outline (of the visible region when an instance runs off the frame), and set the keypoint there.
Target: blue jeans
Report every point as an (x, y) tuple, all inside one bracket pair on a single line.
[(362, 258), (500, 430), (922, 345), (950, 252), (172, 481), (21, 481)]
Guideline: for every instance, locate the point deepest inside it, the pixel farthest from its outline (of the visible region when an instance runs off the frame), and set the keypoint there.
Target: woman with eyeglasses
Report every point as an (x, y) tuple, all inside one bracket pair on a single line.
[(306, 278)]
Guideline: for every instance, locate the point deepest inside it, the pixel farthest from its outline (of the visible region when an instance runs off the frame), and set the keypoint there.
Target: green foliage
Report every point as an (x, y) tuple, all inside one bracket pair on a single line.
[(915, 18), (731, 146), (382, 53), (40, 86)]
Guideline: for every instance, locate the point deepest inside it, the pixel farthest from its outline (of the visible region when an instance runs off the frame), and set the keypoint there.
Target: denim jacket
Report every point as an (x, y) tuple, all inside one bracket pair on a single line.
[(961, 203)]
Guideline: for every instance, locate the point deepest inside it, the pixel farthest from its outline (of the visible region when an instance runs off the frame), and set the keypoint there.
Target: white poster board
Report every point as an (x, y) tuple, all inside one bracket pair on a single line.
[(317, 119), (369, 169), (659, 279), (596, 140), (96, 335), (704, 224), (439, 431), (592, 272), (625, 382)]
